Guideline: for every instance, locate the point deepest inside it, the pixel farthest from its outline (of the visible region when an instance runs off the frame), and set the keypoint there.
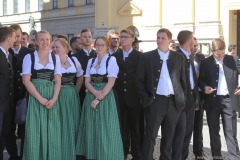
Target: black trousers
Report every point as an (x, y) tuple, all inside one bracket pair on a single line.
[(182, 135), (197, 130), (130, 119), (5, 120), (223, 107), (10, 139), (162, 112)]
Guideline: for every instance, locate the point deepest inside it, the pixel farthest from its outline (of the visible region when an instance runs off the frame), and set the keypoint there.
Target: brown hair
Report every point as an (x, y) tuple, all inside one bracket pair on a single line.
[(218, 44), (25, 33), (104, 39), (16, 27), (85, 30), (5, 32), (165, 30), (63, 42), (184, 36), (128, 31), (112, 32), (62, 36)]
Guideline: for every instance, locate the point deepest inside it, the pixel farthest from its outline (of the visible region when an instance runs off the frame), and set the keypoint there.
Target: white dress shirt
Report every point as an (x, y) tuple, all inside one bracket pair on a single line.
[(72, 69), (126, 54), (165, 86), (27, 63), (16, 51), (222, 88), (111, 51), (87, 52), (112, 68), (191, 69)]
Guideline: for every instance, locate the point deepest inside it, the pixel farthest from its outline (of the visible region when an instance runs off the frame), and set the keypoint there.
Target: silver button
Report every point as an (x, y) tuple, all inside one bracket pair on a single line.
[(156, 79), (214, 96), (216, 80), (125, 90), (155, 88), (125, 74), (18, 79), (19, 87), (10, 94), (159, 70), (124, 81), (160, 61)]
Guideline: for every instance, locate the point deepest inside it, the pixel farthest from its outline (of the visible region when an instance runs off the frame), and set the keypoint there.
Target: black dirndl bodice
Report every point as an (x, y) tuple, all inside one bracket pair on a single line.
[(69, 78)]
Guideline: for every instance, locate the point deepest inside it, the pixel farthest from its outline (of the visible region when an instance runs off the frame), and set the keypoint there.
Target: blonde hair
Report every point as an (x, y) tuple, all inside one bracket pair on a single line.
[(129, 32), (63, 42), (42, 31), (112, 32), (218, 44)]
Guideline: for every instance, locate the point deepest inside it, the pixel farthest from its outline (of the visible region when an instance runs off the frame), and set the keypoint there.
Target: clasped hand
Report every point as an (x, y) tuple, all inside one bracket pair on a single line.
[(47, 103)]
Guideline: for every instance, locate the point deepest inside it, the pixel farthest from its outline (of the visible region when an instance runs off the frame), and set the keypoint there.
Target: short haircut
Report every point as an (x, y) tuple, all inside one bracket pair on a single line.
[(16, 27), (105, 39), (184, 36), (5, 32), (218, 44), (25, 34), (231, 47), (34, 33), (165, 30), (62, 36), (129, 32), (85, 30), (195, 38), (73, 40), (63, 42), (112, 32)]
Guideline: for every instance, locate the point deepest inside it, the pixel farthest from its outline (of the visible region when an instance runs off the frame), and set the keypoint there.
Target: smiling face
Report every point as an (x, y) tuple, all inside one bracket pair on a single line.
[(59, 49), (43, 41), (24, 40)]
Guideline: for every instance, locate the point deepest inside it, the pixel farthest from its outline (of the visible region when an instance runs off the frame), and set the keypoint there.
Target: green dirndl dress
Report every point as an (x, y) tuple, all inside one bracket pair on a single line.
[(43, 129), (99, 135), (70, 120)]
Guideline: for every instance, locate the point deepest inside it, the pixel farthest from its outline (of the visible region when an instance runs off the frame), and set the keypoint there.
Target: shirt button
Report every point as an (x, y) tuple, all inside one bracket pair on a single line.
[(125, 90)]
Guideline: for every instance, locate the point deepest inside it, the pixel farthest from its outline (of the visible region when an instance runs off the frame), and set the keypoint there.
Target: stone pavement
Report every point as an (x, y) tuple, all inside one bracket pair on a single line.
[(206, 144)]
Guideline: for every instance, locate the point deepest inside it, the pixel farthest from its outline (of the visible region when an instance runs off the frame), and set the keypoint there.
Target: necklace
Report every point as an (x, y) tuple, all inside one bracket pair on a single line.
[(99, 62), (64, 63)]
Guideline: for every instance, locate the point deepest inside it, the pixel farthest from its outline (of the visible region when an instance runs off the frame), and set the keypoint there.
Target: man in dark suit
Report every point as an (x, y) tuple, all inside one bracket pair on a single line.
[(185, 123), (161, 82), (84, 55), (18, 52), (76, 45), (7, 38), (219, 80), (198, 120), (125, 85)]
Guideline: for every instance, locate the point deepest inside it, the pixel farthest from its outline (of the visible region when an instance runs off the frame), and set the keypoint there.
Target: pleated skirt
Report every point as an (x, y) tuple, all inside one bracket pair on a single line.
[(70, 120), (43, 127), (99, 135)]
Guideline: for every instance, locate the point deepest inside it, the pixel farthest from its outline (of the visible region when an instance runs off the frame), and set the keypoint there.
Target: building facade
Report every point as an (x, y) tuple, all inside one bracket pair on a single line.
[(207, 19)]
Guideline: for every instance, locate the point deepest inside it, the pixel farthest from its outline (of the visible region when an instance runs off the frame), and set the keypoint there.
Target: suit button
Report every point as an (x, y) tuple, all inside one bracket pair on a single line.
[(156, 79), (19, 87), (18, 79), (155, 88), (191, 92), (160, 61), (10, 77), (125, 90), (10, 94), (153, 97), (214, 96), (159, 70), (188, 61), (217, 73), (124, 81), (188, 68), (216, 80), (125, 74), (9, 68), (18, 71), (217, 65)]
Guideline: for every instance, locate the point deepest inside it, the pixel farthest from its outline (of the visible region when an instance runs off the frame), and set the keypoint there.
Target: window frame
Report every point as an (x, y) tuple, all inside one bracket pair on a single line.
[(70, 3), (5, 7), (90, 1), (27, 6), (39, 2), (55, 2), (15, 7)]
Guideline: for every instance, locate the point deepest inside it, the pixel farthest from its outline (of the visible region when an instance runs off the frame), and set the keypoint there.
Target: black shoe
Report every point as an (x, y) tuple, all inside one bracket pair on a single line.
[(14, 158)]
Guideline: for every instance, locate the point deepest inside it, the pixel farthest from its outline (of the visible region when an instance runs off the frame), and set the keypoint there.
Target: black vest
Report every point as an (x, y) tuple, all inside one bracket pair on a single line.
[(69, 78)]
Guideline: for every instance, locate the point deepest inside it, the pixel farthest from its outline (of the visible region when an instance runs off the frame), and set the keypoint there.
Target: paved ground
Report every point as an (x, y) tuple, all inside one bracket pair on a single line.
[(206, 144)]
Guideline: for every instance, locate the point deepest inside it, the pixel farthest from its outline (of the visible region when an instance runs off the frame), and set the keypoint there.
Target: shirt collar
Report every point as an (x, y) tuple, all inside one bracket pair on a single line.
[(111, 51), (16, 51), (163, 56), (186, 53), (5, 52), (87, 52), (218, 61), (126, 54)]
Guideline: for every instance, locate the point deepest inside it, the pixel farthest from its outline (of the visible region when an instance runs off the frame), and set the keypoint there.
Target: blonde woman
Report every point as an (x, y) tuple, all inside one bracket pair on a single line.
[(41, 74), (72, 78), (99, 135)]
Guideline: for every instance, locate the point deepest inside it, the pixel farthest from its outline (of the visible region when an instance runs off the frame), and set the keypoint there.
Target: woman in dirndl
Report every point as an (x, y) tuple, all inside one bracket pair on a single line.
[(41, 74), (72, 79), (99, 135)]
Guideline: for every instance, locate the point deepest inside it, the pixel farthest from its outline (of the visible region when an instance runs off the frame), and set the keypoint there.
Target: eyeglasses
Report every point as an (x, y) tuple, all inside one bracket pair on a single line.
[(124, 37), (100, 45)]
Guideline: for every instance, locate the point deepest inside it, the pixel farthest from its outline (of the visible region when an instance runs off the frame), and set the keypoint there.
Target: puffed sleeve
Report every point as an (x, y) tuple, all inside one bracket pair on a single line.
[(57, 69), (112, 67), (78, 66), (27, 63), (88, 68)]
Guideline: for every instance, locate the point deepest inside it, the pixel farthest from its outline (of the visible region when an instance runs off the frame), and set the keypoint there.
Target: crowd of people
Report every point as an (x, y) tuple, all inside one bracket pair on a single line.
[(109, 101)]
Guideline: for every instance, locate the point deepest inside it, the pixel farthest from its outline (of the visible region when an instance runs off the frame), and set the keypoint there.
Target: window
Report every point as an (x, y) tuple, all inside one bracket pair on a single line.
[(55, 3), (90, 1), (70, 3), (27, 5), (4, 7), (40, 5), (15, 6), (69, 37)]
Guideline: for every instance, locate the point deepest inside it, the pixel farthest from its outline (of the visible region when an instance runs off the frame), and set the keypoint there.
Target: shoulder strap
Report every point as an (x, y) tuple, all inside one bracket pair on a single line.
[(107, 64), (54, 60), (33, 61), (73, 61), (93, 60)]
